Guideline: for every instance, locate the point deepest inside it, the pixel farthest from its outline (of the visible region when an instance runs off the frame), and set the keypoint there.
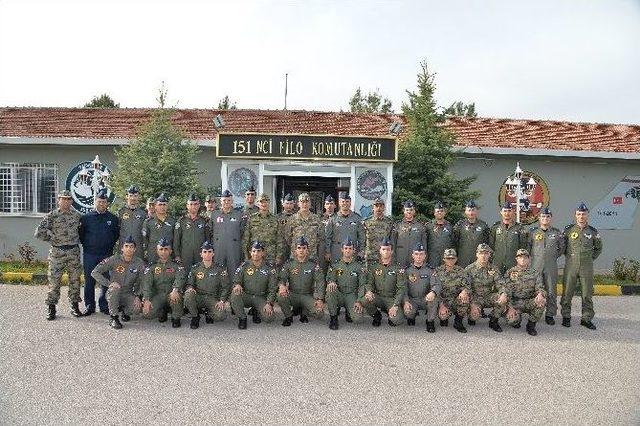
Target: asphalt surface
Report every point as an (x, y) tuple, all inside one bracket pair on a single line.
[(73, 371)]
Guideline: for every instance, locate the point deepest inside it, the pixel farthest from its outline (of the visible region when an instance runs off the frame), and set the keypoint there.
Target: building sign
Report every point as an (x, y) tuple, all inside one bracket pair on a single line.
[(85, 180), (618, 208), (306, 147), (529, 207)]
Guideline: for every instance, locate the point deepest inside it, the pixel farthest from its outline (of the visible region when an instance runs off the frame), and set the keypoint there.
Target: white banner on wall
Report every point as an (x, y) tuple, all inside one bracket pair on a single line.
[(617, 210)]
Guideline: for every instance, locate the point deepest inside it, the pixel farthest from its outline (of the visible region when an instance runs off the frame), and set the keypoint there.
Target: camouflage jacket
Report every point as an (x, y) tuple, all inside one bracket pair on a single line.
[(521, 284), (453, 282), (375, 230), (59, 228), (483, 280)]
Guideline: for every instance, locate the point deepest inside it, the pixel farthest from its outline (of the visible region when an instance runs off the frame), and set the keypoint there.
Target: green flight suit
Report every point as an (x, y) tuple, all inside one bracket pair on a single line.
[(130, 277), (521, 287), (341, 227), (351, 279), (546, 246), (131, 222), (422, 280), (306, 284), (405, 236), (466, 238), (259, 286), (388, 283), (159, 281), (505, 242), (188, 236), (153, 230), (206, 286), (439, 238)]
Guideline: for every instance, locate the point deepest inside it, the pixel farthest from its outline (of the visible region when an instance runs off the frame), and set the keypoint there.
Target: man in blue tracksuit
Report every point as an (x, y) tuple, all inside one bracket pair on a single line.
[(99, 232)]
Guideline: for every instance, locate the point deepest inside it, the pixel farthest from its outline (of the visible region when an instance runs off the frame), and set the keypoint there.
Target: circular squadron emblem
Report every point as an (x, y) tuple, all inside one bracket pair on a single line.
[(240, 180), (85, 180), (529, 207), (371, 185)]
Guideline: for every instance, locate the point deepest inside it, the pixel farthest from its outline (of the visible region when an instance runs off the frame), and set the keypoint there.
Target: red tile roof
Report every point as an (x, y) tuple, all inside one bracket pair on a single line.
[(198, 124)]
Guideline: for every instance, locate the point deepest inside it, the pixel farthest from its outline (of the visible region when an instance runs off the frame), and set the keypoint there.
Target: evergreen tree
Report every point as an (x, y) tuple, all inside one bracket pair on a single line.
[(371, 102), (102, 101), (461, 109)]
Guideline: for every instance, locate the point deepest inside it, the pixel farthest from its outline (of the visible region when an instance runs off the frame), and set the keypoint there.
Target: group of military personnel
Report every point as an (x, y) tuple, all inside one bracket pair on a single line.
[(224, 260)]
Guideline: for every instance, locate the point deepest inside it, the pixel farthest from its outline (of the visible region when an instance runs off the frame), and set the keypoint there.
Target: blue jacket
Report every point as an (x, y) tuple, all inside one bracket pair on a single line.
[(99, 232)]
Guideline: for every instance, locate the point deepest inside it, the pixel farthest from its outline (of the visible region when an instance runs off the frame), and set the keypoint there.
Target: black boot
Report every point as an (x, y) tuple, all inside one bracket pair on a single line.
[(431, 327), (550, 320), (208, 319), (75, 311), (471, 322), (255, 316), (377, 319), (163, 315), (588, 324), (242, 323), (51, 315), (566, 322), (175, 322), (482, 314), (495, 325), (531, 328), (114, 322), (516, 325), (411, 321), (287, 321), (333, 322), (125, 317), (347, 317), (391, 324), (444, 323), (88, 312), (195, 322), (458, 325), (304, 318)]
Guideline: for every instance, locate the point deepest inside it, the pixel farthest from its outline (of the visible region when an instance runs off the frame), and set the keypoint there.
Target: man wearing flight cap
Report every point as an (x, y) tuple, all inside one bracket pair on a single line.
[(583, 246), (505, 238), (131, 217), (329, 212), (485, 282), (227, 225), (344, 224), (210, 204), (288, 209), (407, 233), (423, 288), (99, 232), (546, 245), (468, 233), (161, 225), (376, 228), (305, 224), (250, 202), (439, 235), (190, 231), (456, 291), (263, 226), (61, 228)]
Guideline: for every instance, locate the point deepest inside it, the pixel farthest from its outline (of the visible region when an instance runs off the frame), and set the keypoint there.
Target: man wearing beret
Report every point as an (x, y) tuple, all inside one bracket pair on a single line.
[(468, 233), (190, 231), (157, 227), (132, 217)]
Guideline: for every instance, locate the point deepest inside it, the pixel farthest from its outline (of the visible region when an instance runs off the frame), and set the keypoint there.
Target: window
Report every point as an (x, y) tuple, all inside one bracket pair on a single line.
[(28, 188)]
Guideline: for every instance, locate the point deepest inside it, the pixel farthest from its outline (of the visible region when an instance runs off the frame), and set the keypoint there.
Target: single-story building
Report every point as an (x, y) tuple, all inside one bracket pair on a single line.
[(43, 150)]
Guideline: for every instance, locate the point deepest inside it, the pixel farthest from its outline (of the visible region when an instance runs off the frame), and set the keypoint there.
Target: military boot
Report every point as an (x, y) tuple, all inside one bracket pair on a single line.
[(411, 321), (495, 325), (75, 310), (287, 321), (566, 322), (333, 322), (296, 312), (195, 322), (255, 316), (391, 323), (347, 317), (163, 315), (125, 318), (304, 318), (51, 315), (377, 319), (550, 320), (431, 326), (588, 324), (242, 323), (471, 322), (175, 322), (531, 328), (444, 323), (516, 325), (458, 325), (115, 323), (208, 318)]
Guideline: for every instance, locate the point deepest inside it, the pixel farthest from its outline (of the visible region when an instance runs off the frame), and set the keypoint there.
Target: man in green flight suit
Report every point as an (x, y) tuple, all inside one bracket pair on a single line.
[(505, 238), (190, 232), (132, 217), (159, 226), (583, 246), (439, 235), (468, 233), (301, 286), (423, 289)]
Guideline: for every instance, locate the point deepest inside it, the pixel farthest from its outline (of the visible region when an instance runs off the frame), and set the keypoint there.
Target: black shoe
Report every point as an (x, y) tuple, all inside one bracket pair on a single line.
[(163, 315), (431, 327), (458, 325), (566, 322), (106, 312), (411, 321), (347, 317), (444, 323), (391, 323), (175, 322), (114, 322), (75, 311), (333, 322), (125, 318), (495, 325), (304, 318), (208, 319), (242, 324), (471, 322), (531, 328), (588, 324), (377, 319), (287, 321), (195, 322), (550, 320), (88, 312), (51, 314), (516, 325)]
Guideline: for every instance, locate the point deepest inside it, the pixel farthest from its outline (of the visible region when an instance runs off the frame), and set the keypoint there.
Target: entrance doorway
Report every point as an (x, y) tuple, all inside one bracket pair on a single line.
[(317, 187)]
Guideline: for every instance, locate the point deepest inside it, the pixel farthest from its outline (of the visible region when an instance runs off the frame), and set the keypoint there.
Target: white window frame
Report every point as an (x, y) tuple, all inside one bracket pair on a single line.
[(16, 196)]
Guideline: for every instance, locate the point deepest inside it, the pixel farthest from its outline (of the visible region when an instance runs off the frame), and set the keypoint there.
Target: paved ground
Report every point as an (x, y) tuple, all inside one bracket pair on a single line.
[(79, 370)]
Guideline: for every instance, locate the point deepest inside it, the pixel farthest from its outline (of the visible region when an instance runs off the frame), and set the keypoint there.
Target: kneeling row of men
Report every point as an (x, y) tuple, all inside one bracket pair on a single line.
[(301, 287)]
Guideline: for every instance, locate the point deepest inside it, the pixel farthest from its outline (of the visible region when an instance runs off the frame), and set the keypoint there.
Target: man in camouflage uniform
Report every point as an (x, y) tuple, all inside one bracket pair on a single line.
[(227, 227), (385, 288), (132, 217), (423, 289), (190, 231), (61, 228), (288, 209), (407, 233), (346, 281), (163, 285), (301, 286), (308, 225), (263, 226), (376, 228), (455, 293), (208, 288), (484, 280), (468, 233), (151, 207), (439, 235), (344, 224), (210, 205), (161, 225), (522, 286), (583, 246), (505, 238), (546, 245), (124, 284), (254, 285), (250, 202)]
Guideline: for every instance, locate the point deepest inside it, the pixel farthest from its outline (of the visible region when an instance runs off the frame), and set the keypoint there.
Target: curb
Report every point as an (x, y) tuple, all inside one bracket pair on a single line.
[(27, 277)]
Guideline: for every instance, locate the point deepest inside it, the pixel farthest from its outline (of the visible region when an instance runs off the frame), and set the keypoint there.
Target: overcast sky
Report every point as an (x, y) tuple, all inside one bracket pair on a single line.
[(563, 60)]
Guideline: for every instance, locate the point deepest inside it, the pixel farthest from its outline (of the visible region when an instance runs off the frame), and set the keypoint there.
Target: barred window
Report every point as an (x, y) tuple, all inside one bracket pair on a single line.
[(28, 188)]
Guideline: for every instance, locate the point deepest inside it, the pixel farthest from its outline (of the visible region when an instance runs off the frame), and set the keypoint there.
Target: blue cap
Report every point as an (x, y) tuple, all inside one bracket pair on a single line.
[(546, 211), (206, 246), (471, 204), (582, 207), (101, 195), (347, 243), (507, 206), (193, 197), (257, 245), (226, 194), (329, 199), (419, 247), (438, 205), (133, 190), (408, 204), (251, 190), (163, 242), (130, 240), (386, 241), (344, 196), (162, 198), (288, 197), (302, 242)]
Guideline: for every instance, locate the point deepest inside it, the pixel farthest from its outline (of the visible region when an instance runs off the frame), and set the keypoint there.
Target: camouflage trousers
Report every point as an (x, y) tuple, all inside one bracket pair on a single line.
[(487, 301), (304, 302), (452, 305), (384, 303), (525, 306), (160, 301), (194, 302), (430, 308), (118, 298), (244, 300), (59, 261), (336, 299)]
